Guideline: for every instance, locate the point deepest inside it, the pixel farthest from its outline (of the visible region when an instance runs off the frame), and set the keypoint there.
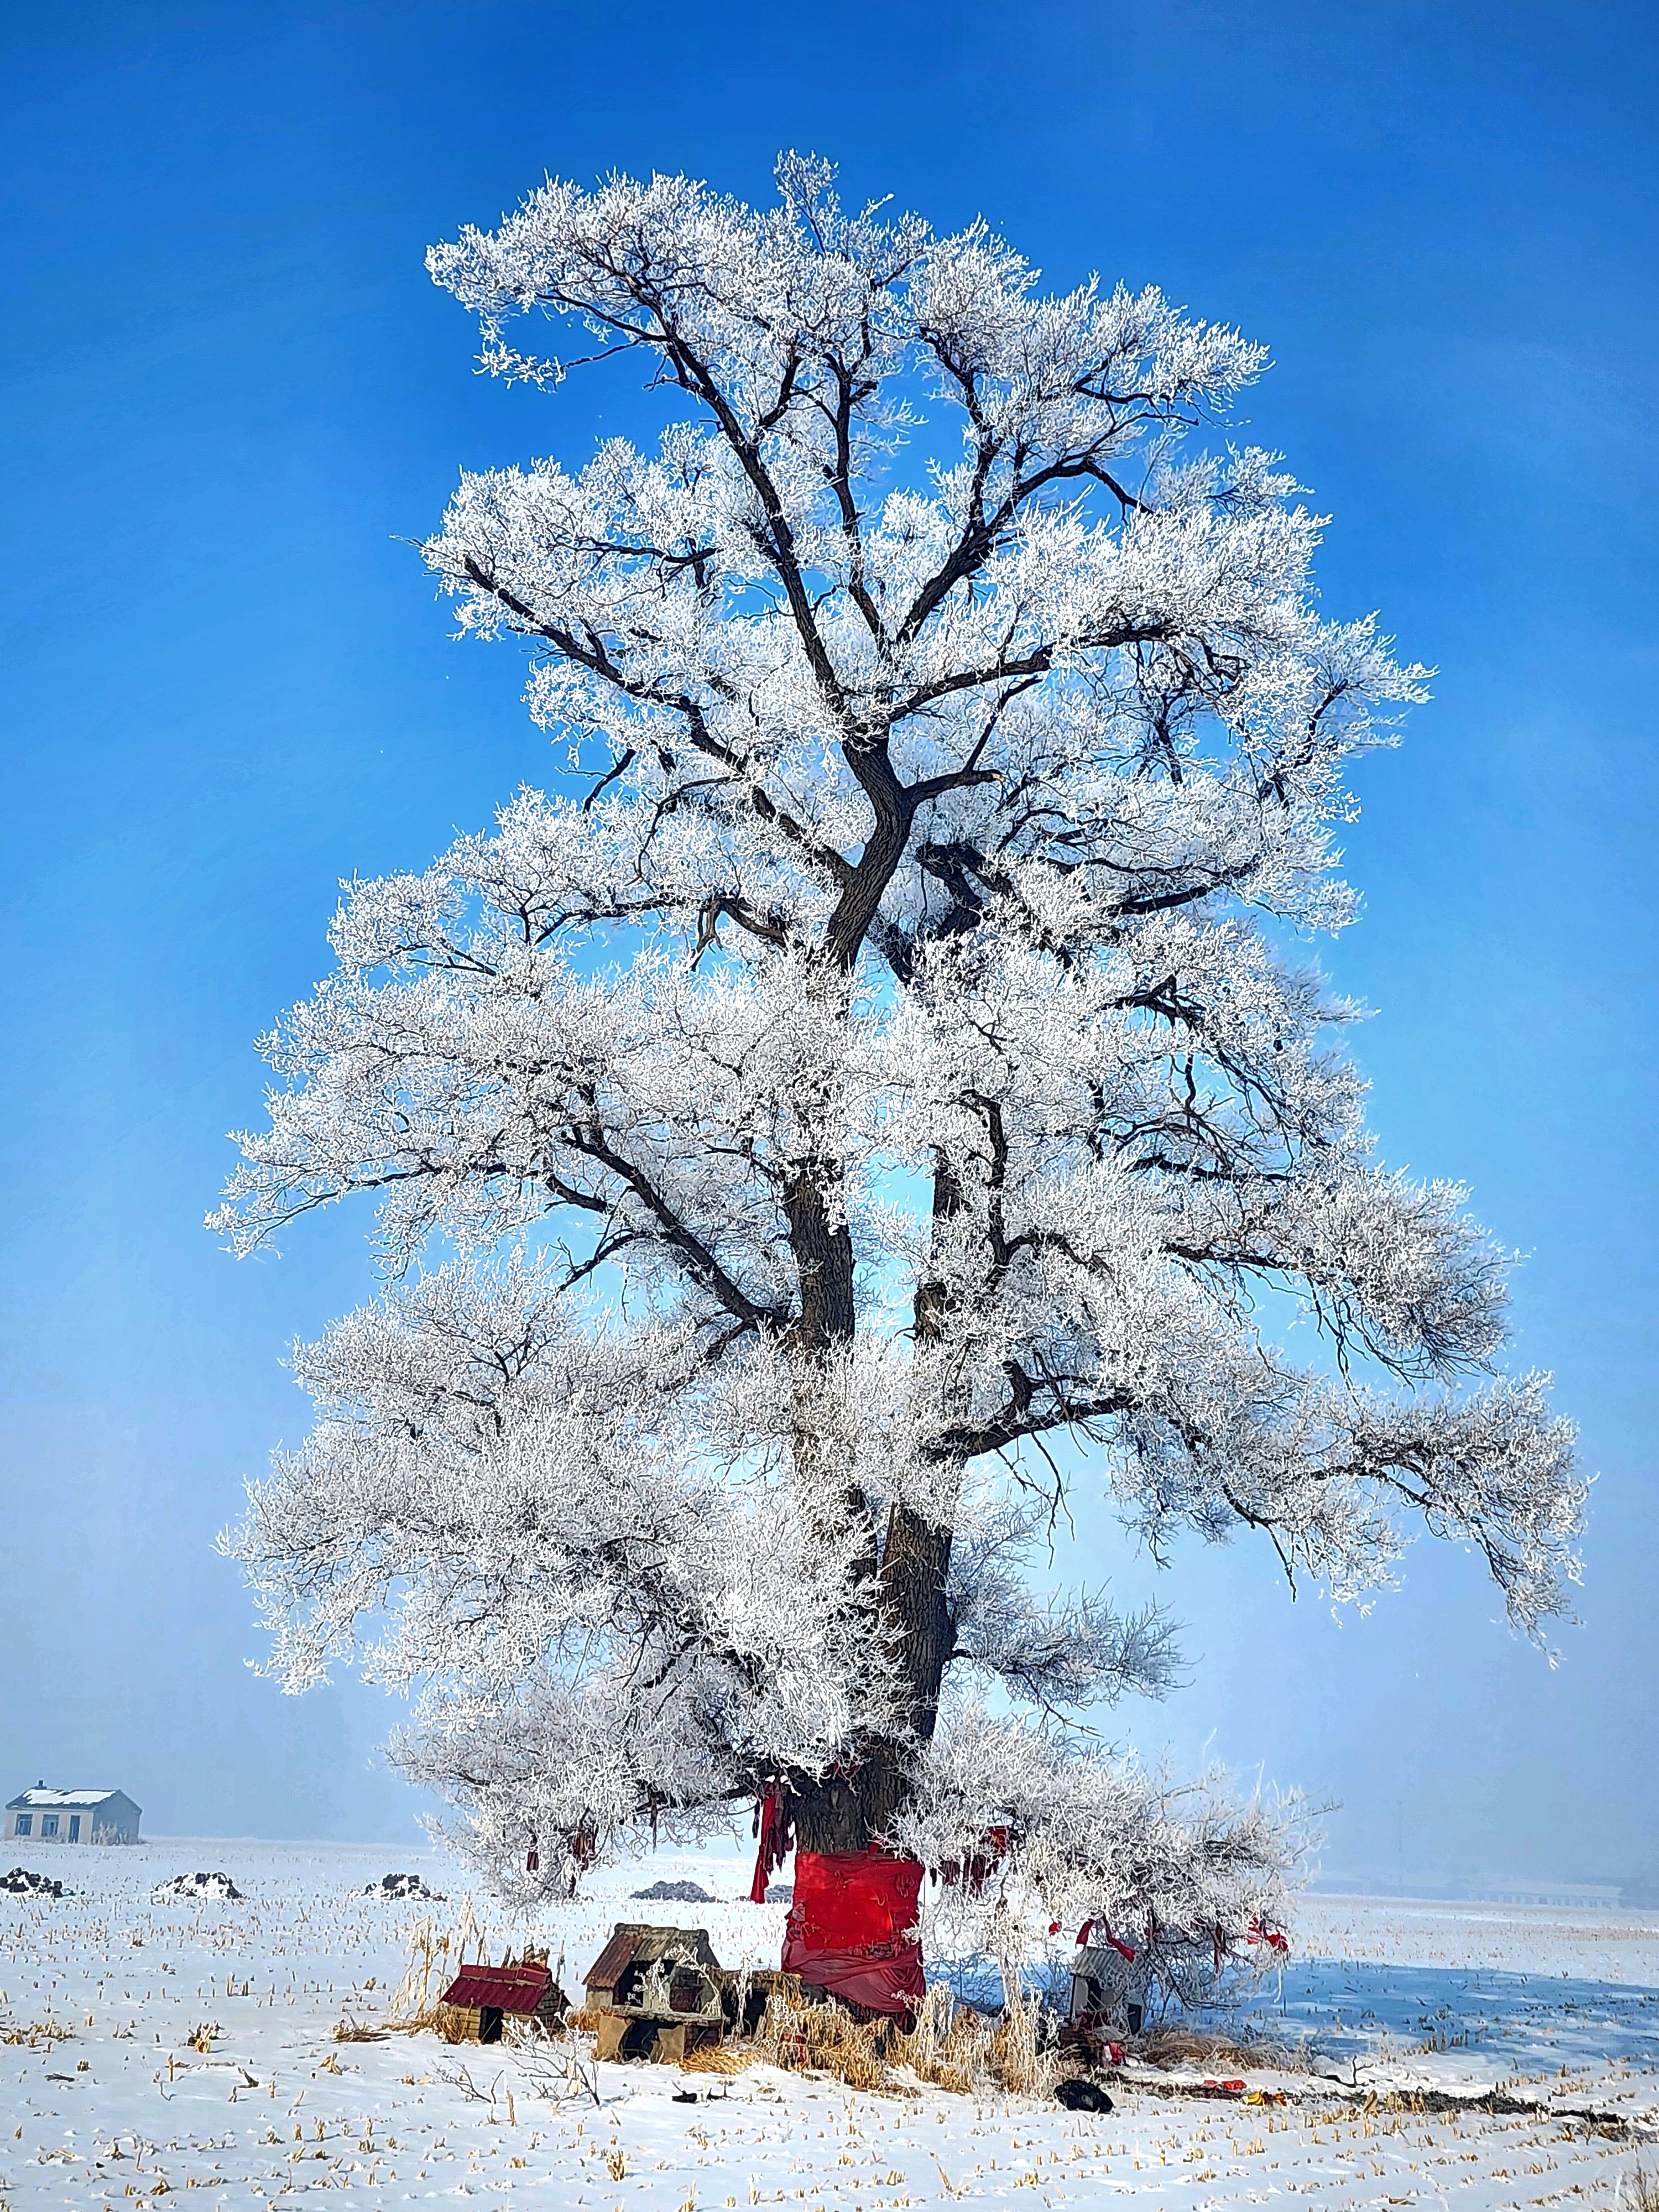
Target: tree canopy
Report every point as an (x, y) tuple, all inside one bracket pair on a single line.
[(885, 1057)]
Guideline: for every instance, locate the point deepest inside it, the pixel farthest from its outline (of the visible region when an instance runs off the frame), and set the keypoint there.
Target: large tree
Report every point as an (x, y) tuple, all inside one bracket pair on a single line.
[(877, 1093)]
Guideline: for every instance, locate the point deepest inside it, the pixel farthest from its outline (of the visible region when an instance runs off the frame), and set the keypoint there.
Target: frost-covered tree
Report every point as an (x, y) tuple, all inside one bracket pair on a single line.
[(878, 1093)]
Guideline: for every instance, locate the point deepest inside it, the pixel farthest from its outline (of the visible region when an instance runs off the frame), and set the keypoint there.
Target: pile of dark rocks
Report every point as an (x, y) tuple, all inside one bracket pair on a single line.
[(402, 1885), (188, 1886), (20, 1882)]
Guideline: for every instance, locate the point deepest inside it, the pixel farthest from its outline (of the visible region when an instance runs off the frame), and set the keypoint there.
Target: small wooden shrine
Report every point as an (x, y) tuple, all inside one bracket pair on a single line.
[(658, 1993), (481, 1998)]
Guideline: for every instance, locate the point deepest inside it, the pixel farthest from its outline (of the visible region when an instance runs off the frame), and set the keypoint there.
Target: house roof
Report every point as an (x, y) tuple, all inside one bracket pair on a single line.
[(49, 1798), (636, 1943), (1105, 1964), (510, 1988)]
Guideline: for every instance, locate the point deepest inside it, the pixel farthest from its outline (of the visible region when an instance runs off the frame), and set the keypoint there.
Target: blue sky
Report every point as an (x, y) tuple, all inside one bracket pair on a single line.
[(231, 395)]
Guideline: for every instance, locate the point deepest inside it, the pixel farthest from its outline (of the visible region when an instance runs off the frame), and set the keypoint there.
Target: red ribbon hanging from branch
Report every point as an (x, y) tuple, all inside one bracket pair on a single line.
[(1125, 1951), (973, 1871), (773, 1826), (1258, 1932)]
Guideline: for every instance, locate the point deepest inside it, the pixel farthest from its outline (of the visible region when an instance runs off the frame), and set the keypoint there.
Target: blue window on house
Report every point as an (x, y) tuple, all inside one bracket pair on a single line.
[(75, 1827), (26, 1824), (49, 1824)]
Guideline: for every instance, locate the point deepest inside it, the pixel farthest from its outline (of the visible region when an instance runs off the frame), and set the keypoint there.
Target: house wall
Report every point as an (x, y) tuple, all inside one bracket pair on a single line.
[(38, 1815), (32, 1834), (119, 1816)]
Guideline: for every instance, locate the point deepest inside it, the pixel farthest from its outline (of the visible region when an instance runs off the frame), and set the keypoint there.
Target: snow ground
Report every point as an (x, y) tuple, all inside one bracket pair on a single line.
[(107, 2102)]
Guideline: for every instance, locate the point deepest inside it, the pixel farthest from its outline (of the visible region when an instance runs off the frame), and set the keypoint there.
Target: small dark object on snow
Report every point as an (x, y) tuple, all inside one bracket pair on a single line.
[(1080, 2096), (780, 1892), (20, 1882), (404, 1884), (196, 1885), (673, 1892)]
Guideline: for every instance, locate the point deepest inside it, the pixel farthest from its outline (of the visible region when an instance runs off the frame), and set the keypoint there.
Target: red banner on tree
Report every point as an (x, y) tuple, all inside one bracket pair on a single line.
[(847, 1930)]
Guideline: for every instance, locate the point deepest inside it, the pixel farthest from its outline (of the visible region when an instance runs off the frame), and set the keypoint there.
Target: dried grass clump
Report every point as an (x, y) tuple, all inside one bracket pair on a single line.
[(953, 2047), (435, 1960), (721, 2058), (1208, 2051), (37, 2032), (947, 2047), (821, 2039), (1017, 2061), (950, 2046)]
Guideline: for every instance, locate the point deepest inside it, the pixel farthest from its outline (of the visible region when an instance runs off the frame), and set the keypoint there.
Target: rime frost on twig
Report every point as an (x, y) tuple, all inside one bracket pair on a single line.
[(1092, 1836)]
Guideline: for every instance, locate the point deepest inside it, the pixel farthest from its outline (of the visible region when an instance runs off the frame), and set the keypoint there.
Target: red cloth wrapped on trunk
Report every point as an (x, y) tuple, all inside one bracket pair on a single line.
[(847, 1930)]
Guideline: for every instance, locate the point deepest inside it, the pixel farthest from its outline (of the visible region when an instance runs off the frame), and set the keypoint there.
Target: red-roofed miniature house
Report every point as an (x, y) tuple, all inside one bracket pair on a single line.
[(481, 1998)]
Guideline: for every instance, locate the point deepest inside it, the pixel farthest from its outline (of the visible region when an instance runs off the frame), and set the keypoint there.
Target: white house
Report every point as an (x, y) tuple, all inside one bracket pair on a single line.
[(73, 1816)]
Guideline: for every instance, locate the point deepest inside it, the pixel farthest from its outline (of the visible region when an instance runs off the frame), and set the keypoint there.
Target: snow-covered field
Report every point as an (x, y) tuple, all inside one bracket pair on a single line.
[(104, 2098)]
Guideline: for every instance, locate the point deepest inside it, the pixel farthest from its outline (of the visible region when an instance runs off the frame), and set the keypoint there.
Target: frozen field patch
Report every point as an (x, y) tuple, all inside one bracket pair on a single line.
[(154, 2048)]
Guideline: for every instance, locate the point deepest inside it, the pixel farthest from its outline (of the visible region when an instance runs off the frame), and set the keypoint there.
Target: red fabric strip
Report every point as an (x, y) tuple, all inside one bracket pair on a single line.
[(772, 1827)]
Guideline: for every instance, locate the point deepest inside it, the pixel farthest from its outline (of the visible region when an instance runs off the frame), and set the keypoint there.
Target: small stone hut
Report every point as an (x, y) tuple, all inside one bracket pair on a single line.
[(1108, 1991), (658, 1993)]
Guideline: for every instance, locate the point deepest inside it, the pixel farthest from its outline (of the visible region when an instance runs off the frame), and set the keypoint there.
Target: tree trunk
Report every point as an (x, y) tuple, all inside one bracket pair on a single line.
[(855, 1899), (848, 1813)]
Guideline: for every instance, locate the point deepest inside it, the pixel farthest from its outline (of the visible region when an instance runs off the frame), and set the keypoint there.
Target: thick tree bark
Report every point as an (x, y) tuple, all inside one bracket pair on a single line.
[(823, 1252), (849, 1811)]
